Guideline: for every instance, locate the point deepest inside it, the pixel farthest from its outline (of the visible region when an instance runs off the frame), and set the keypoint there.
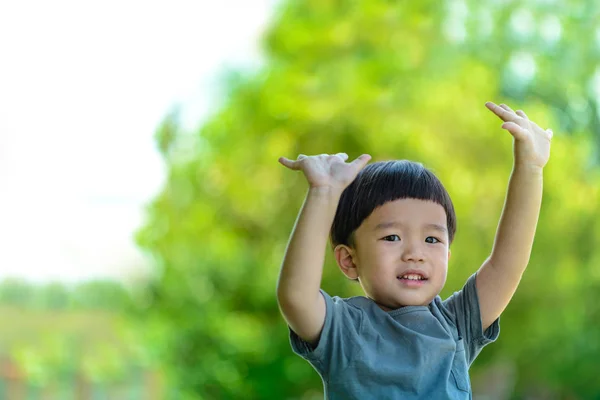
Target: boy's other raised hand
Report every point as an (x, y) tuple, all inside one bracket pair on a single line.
[(532, 143), (327, 171)]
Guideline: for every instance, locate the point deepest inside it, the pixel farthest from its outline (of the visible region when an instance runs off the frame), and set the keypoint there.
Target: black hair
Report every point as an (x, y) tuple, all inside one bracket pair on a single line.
[(385, 181)]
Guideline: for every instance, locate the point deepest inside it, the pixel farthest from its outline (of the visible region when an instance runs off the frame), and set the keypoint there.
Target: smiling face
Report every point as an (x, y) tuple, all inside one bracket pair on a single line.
[(401, 253)]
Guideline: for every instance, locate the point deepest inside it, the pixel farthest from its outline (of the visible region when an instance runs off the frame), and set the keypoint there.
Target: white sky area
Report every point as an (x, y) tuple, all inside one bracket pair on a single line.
[(83, 87)]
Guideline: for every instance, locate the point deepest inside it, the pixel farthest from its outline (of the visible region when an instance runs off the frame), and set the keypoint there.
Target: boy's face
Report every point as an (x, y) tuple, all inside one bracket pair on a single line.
[(401, 253)]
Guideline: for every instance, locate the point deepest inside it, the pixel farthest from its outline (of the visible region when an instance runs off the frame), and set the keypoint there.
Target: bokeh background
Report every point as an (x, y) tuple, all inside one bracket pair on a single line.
[(145, 216)]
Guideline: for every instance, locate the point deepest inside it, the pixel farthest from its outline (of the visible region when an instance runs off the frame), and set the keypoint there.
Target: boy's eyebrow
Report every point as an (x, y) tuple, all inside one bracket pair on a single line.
[(438, 227), (385, 225), (392, 224)]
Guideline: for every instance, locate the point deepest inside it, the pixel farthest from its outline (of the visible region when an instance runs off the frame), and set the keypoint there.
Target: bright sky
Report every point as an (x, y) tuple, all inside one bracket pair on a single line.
[(83, 85)]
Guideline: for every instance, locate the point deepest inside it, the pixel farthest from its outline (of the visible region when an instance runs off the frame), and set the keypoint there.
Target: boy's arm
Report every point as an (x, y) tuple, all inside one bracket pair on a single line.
[(499, 276), (300, 301)]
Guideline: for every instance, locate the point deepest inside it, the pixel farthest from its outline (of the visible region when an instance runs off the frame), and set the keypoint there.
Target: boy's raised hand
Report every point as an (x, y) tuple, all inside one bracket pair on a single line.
[(532, 143), (327, 170), (499, 276)]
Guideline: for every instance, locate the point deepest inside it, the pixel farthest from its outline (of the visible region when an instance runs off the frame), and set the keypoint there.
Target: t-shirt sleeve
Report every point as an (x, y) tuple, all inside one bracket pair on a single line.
[(463, 307), (337, 341)]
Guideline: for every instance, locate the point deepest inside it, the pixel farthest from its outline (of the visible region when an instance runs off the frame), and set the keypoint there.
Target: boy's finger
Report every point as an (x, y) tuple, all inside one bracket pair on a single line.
[(507, 108), (361, 161), (288, 163), (518, 132), (343, 156), (505, 115), (521, 113)]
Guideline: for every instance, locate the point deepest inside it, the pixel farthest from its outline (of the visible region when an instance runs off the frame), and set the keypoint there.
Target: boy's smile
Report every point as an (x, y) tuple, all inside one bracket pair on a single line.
[(401, 253), (412, 278)]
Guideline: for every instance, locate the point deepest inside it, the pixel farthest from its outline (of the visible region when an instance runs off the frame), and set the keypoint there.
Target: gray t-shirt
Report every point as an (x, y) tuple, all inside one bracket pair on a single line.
[(414, 352)]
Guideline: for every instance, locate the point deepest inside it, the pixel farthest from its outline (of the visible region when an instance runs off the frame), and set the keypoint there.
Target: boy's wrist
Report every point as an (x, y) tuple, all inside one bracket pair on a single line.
[(325, 191), (528, 169)]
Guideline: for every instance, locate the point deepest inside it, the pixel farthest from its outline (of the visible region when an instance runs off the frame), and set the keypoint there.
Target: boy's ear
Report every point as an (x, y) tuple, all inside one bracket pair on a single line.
[(449, 254), (344, 255)]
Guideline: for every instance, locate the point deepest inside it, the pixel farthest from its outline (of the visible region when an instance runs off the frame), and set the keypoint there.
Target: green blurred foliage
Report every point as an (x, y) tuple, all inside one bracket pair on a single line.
[(57, 333), (396, 80), (98, 294)]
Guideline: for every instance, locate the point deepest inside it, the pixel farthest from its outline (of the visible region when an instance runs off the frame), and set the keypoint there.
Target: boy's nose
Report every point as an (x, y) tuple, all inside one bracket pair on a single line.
[(412, 253)]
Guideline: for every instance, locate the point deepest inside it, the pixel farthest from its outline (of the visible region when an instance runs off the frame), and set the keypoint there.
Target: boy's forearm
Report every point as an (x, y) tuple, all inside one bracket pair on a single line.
[(302, 268), (516, 230)]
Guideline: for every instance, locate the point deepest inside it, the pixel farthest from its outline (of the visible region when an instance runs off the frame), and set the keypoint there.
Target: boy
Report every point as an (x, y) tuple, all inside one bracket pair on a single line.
[(391, 225)]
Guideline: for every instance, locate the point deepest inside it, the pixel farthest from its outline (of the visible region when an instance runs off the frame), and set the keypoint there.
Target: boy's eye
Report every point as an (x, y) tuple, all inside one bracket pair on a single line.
[(392, 238), (431, 239)]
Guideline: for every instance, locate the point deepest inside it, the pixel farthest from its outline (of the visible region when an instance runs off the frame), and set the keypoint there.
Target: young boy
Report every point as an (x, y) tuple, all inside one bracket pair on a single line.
[(391, 225)]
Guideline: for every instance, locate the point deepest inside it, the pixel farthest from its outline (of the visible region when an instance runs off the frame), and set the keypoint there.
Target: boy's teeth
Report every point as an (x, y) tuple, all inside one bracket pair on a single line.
[(412, 277)]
